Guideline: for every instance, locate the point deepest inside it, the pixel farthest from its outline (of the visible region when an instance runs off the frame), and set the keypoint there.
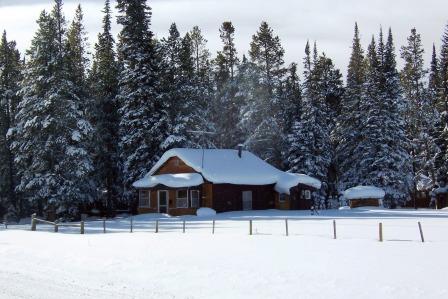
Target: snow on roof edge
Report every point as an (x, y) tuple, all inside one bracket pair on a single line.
[(170, 180), (364, 192), (283, 181)]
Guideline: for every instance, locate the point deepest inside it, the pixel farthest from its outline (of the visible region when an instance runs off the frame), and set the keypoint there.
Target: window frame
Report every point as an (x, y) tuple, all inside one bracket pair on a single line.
[(181, 198), (282, 197), (148, 192), (190, 200), (307, 194)]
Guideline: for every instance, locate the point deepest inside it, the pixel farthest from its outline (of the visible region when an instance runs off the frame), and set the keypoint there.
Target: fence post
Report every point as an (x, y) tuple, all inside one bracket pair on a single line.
[(33, 222), (381, 231), (213, 229), (334, 229), (250, 227), (286, 226), (56, 227), (421, 232), (82, 227), (5, 221), (157, 226), (183, 227), (132, 224), (104, 225)]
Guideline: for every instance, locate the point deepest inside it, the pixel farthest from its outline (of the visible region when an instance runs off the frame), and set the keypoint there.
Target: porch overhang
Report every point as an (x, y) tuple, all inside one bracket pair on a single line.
[(179, 180)]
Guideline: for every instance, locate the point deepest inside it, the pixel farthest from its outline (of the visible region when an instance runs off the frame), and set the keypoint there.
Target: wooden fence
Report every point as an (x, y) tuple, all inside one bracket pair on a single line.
[(183, 224), (56, 225)]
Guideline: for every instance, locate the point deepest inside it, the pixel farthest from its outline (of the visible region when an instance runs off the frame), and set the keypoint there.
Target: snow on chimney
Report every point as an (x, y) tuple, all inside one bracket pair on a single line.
[(240, 150)]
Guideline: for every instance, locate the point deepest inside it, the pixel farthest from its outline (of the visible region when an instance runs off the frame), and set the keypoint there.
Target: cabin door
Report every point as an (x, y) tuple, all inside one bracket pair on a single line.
[(163, 201), (247, 200)]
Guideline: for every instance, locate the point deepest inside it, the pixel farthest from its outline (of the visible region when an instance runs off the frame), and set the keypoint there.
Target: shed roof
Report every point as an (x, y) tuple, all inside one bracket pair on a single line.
[(364, 192)]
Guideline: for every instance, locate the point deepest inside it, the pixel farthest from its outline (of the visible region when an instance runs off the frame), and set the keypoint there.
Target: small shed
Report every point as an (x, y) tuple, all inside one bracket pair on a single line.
[(441, 197), (364, 196)]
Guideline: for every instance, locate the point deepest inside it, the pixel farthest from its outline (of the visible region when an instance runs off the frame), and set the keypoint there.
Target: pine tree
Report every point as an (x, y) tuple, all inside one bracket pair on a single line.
[(51, 131), (10, 76), (421, 114), (291, 104), (266, 53), (103, 81), (384, 160), (226, 107), (76, 52), (351, 117), (201, 55), (143, 115), (310, 149)]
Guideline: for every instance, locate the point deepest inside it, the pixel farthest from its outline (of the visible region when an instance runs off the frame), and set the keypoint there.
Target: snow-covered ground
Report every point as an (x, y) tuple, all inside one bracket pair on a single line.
[(231, 264)]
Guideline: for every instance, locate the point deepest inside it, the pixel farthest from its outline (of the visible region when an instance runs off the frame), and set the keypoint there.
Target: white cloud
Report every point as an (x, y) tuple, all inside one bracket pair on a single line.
[(330, 22)]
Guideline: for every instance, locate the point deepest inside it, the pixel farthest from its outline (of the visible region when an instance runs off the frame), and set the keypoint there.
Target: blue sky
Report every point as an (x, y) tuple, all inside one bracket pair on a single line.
[(329, 22)]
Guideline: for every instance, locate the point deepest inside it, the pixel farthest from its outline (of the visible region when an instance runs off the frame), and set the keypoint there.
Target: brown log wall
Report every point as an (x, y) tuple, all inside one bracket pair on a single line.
[(174, 165), (228, 197), (368, 202)]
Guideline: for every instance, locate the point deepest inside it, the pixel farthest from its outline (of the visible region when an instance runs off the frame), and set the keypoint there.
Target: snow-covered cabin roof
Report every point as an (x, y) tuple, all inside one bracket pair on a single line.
[(224, 166), (364, 192), (172, 180), (288, 180)]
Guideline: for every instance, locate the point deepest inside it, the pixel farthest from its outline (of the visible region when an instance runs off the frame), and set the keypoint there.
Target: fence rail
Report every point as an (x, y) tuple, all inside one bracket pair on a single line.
[(56, 225), (332, 229)]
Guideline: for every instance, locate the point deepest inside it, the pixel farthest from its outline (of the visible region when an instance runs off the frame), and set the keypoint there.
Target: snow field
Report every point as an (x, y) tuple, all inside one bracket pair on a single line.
[(231, 264)]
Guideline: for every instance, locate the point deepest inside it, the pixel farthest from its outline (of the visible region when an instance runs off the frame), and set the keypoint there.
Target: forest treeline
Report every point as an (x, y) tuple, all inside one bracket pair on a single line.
[(75, 133)]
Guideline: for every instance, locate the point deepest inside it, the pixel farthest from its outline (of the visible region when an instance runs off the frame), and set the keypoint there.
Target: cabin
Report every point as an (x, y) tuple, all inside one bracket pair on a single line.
[(184, 180), (441, 197), (364, 196), (422, 196)]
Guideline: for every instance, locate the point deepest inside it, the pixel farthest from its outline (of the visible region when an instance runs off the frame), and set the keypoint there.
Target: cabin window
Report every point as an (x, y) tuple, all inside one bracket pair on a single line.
[(144, 199), (282, 198), (306, 194), (182, 198), (194, 198)]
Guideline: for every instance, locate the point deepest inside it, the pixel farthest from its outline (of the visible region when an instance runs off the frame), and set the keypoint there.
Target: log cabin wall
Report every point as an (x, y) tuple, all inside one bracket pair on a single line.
[(153, 203), (297, 200), (174, 165), (207, 195), (367, 202), (282, 205), (228, 197)]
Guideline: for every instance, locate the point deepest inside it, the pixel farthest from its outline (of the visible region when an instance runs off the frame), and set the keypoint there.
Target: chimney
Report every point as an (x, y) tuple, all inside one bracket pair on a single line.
[(240, 150)]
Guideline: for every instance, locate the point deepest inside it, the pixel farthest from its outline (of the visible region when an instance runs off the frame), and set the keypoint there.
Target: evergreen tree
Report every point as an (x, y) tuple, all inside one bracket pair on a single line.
[(51, 128), (266, 53), (226, 107), (201, 55), (76, 53), (384, 160), (291, 104), (105, 119), (349, 122), (420, 113), (10, 76), (143, 115), (310, 149)]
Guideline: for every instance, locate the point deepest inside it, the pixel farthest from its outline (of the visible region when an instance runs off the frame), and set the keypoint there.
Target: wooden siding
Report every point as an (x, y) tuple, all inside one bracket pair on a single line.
[(174, 165), (227, 197), (368, 202), (297, 201), (172, 209), (282, 205), (207, 195)]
